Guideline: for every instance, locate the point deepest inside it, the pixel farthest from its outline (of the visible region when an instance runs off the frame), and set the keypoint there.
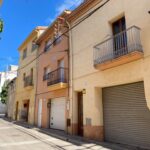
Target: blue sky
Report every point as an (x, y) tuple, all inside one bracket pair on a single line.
[(20, 18)]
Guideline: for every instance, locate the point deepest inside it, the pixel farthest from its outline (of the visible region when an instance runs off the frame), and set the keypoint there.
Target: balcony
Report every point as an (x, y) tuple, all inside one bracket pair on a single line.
[(120, 49), (57, 79), (28, 82)]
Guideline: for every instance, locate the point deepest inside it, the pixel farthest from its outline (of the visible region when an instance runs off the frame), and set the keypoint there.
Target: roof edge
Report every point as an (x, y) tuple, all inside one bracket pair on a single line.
[(33, 33)]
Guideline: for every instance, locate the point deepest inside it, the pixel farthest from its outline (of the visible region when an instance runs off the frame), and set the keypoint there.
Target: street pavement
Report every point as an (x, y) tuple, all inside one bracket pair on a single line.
[(16, 137)]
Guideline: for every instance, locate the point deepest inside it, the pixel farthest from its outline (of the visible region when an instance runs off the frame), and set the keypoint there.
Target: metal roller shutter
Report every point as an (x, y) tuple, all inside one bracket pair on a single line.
[(126, 115)]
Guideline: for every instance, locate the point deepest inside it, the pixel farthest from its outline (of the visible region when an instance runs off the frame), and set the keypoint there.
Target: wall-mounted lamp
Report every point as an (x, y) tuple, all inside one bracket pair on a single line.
[(84, 91)]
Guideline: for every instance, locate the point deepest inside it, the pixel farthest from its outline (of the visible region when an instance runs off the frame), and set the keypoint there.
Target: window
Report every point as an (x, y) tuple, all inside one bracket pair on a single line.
[(47, 70), (57, 39), (24, 76), (34, 47), (24, 54), (48, 45), (31, 78), (32, 73), (120, 37)]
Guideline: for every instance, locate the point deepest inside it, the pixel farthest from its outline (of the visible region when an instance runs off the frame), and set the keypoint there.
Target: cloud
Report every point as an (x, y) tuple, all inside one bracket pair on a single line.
[(67, 4), (5, 61)]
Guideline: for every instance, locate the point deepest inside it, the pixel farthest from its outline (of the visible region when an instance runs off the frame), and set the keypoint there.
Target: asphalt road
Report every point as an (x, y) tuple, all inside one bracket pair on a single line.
[(14, 137)]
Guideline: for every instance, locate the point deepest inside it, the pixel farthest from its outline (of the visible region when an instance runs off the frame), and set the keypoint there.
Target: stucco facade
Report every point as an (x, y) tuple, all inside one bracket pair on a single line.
[(49, 83), (96, 29), (27, 77)]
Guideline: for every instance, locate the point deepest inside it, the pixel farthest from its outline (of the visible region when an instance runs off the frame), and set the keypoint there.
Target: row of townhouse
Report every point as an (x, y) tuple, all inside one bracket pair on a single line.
[(94, 79)]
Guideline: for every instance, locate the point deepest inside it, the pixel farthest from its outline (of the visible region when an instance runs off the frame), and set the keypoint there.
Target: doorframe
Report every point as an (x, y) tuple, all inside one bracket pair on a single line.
[(16, 113), (80, 130)]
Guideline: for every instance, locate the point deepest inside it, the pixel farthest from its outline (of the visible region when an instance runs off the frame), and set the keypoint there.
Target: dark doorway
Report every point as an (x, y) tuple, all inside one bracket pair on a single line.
[(16, 114), (80, 114), (120, 37), (25, 113), (27, 110)]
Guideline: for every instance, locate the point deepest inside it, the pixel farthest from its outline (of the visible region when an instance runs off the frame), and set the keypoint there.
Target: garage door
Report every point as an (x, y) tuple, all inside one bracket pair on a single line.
[(57, 113), (126, 116)]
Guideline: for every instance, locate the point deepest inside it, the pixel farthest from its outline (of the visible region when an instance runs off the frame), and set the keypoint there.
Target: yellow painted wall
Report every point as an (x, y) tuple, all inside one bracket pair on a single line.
[(21, 92), (94, 30)]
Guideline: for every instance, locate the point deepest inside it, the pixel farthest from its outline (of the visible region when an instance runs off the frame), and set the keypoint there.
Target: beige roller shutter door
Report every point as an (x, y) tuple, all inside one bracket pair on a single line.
[(126, 115)]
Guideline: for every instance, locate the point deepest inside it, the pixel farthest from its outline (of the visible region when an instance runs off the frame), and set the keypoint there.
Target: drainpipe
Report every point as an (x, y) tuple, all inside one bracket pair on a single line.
[(70, 59), (36, 82)]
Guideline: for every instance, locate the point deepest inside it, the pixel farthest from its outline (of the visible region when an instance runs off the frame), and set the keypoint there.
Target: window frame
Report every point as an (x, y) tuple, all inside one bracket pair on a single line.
[(48, 45), (24, 55)]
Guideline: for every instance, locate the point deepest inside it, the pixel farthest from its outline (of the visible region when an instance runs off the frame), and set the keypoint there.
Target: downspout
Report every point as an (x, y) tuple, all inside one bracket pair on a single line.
[(36, 82), (70, 59)]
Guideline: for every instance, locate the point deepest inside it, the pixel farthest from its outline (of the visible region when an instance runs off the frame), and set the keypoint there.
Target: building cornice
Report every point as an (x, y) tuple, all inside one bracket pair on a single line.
[(50, 29), (82, 9)]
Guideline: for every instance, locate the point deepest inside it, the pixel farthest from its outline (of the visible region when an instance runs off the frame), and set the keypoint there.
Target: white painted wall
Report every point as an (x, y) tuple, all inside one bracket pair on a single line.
[(10, 74)]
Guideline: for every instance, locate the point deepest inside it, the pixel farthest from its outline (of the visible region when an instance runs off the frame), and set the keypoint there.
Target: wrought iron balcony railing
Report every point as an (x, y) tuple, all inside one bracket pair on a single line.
[(121, 44), (59, 75), (28, 81)]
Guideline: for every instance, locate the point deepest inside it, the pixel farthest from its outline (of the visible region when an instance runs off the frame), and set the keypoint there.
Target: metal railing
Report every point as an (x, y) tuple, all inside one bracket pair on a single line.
[(120, 44), (28, 81), (57, 76)]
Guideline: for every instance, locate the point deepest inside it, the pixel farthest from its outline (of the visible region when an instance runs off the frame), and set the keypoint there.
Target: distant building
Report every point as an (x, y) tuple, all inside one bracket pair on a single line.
[(10, 74), (11, 97)]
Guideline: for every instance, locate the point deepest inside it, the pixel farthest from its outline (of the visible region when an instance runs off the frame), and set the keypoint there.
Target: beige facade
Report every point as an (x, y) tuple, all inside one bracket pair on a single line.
[(91, 79), (26, 81)]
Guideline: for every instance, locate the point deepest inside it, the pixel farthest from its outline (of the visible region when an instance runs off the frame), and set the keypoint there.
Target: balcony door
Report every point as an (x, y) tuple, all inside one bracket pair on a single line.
[(61, 71), (120, 37)]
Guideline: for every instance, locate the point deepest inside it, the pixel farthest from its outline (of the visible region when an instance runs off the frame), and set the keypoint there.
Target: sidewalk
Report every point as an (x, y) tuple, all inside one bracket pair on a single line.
[(72, 138)]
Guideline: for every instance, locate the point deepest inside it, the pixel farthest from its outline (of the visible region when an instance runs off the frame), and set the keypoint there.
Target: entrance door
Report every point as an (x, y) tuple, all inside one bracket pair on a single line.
[(80, 114), (16, 114), (58, 113), (61, 71), (40, 113), (120, 37), (28, 101)]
